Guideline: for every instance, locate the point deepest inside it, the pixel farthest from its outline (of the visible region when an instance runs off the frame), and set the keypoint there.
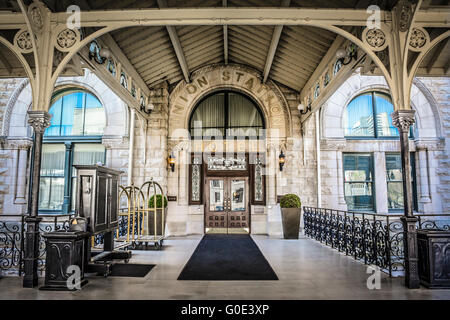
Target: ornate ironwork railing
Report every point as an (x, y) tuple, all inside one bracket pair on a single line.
[(11, 243), (12, 239), (371, 238)]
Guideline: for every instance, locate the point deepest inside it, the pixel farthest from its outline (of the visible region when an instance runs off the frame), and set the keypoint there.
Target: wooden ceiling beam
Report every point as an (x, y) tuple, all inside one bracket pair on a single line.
[(274, 45), (177, 46), (437, 53), (225, 37)]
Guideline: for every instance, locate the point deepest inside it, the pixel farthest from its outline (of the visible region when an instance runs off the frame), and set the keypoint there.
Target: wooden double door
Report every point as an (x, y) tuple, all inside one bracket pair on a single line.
[(227, 205)]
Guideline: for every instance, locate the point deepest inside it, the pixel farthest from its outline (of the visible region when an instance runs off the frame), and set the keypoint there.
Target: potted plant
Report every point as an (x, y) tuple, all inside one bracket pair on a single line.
[(290, 215), (151, 216)]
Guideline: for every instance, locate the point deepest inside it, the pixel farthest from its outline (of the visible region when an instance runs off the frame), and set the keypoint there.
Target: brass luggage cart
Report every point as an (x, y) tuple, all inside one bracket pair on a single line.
[(145, 213)]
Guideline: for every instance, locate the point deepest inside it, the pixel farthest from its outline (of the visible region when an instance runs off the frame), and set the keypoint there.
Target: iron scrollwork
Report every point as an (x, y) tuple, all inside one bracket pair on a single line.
[(368, 237)]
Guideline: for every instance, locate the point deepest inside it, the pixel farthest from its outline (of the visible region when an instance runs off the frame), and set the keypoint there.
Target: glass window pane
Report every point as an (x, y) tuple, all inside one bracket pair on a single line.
[(238, 195), (384, 108), (95, 119), (242, 112), (216, 195), (53, 160), (358, 174), (72, 114), (358, 168), (358, 117), (394, 181), (395, 195), (55, 125), (210, 112), (85, 154), (359, 196), (51, 193)]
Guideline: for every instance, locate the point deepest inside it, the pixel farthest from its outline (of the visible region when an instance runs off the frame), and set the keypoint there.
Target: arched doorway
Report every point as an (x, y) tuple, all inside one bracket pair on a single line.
[(232, 180)]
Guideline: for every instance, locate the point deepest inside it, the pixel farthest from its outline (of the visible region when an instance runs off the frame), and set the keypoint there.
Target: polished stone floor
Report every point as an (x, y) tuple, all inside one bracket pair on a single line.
[(306, 270)]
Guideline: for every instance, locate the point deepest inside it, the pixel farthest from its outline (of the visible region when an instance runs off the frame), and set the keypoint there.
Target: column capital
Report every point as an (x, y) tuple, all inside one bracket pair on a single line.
[(403, 119), (39, 120)]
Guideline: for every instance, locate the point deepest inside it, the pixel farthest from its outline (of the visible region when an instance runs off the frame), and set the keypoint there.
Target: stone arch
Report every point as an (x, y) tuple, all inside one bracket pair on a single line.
[(15, 120), (244, 79), (428, 120)]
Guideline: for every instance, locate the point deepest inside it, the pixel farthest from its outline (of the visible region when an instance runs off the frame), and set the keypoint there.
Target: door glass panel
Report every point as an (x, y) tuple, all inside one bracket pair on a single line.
[(216, 195), (237, 195)]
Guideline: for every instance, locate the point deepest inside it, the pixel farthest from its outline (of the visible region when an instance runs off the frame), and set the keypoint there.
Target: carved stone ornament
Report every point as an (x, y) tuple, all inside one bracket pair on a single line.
[(39, 120), (419, 38), (66, 39), (404, 15), (36, 17), (22, 40), (375, 38), (403, 119)]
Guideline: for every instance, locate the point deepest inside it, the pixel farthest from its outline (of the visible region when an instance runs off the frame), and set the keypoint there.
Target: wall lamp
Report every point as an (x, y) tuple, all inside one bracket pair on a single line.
[(147, 108), (281, 160), (302, 109), (347, 55), (171, 161)]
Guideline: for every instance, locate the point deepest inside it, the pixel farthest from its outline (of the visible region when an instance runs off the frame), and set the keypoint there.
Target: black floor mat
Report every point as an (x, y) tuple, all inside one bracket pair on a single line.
[(130, 270), (227, 257)]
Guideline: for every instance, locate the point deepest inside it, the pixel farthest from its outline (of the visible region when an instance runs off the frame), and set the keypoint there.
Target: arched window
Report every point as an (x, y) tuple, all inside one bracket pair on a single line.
[(73, 138), (360, 114), (76, 113), (226, 114)]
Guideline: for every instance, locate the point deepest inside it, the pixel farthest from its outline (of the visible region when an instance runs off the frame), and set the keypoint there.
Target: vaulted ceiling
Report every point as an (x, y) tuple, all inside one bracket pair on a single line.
[(289, 55)]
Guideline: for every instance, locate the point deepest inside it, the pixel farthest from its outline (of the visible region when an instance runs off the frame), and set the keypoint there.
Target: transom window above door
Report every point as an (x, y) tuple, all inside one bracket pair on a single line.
[(226, 114)]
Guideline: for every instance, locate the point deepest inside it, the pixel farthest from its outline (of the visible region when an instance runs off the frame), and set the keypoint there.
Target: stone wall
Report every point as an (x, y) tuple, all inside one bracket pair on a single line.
[(12, 173), (430, 99), (440, 90)]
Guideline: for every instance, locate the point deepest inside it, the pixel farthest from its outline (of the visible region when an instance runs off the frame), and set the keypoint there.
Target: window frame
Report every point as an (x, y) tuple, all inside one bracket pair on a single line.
[(374, 115), (60, 94), (226, 110), (413, 182), (69, 145), (372, 181), (69, 142)]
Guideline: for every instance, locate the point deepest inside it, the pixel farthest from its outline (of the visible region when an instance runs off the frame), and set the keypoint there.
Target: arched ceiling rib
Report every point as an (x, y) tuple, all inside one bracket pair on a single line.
[(291, 61)]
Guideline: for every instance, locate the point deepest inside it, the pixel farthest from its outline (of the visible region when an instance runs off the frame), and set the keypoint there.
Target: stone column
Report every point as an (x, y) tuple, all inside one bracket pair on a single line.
[(403, 119), (340, 180), (381, 198), (425, 196), (39, 120), (21, 182)]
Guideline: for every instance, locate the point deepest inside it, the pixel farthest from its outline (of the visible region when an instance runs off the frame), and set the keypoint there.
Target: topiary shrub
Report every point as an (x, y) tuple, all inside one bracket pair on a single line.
[(290, 201), (151, 202)]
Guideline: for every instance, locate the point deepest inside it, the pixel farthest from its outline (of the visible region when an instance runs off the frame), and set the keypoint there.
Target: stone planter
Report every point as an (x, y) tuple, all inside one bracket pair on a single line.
[(291, 222), (151, 221)]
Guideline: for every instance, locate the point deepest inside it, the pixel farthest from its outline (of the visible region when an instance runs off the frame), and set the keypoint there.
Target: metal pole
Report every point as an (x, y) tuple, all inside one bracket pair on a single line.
[(131, 147), (403, 119), (39, 120)]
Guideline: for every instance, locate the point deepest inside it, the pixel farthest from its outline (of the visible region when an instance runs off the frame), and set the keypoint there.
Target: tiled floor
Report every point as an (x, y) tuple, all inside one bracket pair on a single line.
[(306, 270)]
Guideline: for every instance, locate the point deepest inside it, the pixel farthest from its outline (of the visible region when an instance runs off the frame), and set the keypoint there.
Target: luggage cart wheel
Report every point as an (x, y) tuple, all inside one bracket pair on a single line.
[(157, 246), (127, 260)]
